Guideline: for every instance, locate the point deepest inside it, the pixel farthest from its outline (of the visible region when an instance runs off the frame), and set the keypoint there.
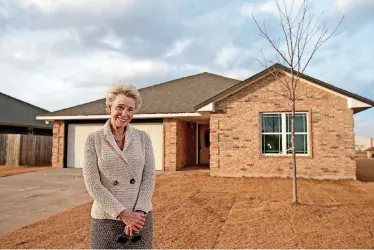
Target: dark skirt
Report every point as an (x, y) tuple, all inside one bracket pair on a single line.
[(104, 234)]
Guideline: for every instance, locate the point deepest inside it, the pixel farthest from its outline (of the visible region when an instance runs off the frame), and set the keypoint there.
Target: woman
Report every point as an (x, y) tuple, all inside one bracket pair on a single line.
[(119, 174)]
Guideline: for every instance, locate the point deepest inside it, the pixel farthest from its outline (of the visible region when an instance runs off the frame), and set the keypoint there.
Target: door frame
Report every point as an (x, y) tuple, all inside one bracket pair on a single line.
[(198, 142)]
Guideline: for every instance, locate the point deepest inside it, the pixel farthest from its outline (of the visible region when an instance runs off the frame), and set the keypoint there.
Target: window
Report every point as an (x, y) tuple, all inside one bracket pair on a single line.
[(207, 138), (276, 133)]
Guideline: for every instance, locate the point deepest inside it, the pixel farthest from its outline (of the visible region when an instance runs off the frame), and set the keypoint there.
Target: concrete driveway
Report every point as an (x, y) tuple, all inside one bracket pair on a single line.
[(26, 198)]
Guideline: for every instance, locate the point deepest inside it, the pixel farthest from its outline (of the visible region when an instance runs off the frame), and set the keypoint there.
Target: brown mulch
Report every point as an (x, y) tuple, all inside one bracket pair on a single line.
[(199, 211), (8, 171)]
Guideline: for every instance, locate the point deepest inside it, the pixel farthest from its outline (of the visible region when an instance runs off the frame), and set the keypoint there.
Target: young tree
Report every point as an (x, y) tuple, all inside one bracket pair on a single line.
[(302, 35)]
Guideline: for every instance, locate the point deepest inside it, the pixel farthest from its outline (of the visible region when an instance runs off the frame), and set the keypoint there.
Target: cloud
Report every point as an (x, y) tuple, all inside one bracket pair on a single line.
[(270, 7), (18, 50), (112, 40), (248, 9), (239, 73), (62, 53), (4, 13), (98, 7), (344, 6), (227, 55), (179, 47)]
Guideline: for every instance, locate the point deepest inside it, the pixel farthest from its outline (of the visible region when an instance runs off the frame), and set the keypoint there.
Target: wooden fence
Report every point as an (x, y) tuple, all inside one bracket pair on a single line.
[(25, 150)]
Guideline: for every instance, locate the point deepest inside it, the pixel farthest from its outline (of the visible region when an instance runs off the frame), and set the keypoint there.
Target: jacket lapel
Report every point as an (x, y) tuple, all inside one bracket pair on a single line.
[(128, 137), (110, 138)]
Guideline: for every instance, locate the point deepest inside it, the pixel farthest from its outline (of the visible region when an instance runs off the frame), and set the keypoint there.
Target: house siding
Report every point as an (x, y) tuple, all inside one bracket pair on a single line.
[(180, 144), (236, 138), (58, 144)]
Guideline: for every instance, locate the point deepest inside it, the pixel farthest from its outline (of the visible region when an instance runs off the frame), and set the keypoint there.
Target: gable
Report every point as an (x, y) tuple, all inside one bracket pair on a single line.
[(355, 102), (265, 95)]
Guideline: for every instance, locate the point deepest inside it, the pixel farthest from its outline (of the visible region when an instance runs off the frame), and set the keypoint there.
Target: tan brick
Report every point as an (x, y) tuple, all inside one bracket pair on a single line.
[(58, 144), (237, 126), (180, 144)]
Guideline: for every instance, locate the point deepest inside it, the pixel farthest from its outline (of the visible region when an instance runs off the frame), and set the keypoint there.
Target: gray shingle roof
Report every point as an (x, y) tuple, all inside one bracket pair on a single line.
[(176, 96), (19, 113)]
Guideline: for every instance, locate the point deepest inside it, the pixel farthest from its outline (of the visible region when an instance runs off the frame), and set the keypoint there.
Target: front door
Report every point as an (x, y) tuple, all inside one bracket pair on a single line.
[(204, 143)]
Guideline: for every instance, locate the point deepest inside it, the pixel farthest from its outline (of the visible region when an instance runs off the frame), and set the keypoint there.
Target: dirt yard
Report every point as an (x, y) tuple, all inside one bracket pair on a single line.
[(8, 171), (198, 211)]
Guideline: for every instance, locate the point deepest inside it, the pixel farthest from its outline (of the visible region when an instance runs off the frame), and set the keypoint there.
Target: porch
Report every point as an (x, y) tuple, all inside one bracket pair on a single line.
[(186, 144)]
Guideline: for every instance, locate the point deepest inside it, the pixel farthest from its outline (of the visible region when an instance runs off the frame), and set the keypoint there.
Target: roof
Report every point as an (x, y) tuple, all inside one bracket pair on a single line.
[(190, 93), (278, 66), (176, 96), (15, 112), (370, 149)]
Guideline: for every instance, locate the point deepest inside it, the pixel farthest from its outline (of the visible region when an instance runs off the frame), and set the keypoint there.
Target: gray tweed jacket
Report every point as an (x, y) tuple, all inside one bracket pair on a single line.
[(118, 179)]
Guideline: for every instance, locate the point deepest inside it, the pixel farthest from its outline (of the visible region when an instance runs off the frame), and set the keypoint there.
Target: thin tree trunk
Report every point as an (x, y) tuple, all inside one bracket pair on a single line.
[(304, 33), (295, 199)]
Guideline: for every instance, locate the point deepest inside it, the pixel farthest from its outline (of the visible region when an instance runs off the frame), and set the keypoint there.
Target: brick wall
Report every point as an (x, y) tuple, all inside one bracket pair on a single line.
[(180, 144), (58, 144), (170, 144), (236, 141)]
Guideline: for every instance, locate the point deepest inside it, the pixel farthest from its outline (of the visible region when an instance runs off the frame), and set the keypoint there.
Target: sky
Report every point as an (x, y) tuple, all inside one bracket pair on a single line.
[(60, 53)]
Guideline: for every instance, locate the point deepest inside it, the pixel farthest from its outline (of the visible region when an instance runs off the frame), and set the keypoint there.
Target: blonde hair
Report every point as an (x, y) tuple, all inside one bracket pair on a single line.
[(126, 89)]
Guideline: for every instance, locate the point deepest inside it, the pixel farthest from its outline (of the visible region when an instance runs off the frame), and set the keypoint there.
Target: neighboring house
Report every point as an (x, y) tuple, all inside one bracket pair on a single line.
[(237, 128), (19, 117), (362, 143), (370, 152)]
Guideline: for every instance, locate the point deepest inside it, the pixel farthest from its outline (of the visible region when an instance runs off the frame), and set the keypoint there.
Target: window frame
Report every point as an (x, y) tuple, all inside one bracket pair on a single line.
[(284, 134)]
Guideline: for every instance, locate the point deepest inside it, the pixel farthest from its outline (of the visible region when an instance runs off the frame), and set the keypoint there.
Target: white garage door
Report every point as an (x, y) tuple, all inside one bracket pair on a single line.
[(77, 135), (156, 132)]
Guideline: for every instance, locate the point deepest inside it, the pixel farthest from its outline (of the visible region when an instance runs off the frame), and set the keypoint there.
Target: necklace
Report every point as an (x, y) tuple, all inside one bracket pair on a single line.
[(117, 140)]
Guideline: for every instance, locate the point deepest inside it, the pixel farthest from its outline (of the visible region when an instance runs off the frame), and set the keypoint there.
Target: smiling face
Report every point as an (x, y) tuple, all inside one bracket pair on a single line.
[(122, 110)]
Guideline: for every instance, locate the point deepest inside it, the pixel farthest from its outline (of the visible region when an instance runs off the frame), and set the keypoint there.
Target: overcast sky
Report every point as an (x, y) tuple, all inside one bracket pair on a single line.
[(60, 53)]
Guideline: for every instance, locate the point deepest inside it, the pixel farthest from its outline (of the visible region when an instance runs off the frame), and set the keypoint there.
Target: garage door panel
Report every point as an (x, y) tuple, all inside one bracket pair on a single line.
[(155, 131), (78, 133)]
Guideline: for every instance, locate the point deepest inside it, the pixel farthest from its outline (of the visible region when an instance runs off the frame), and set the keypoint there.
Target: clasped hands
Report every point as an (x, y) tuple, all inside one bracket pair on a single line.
[(134, 221)]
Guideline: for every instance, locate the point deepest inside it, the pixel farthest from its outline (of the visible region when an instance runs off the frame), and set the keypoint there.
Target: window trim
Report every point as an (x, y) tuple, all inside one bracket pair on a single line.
[(284, 134)]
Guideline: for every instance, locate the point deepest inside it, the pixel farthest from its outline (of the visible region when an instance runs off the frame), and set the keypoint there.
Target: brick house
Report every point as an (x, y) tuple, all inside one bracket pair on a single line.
[(234, 128)]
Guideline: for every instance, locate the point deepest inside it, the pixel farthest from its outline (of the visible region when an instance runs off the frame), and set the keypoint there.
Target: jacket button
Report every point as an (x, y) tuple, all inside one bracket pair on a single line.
[(115, 183), (132, 181)]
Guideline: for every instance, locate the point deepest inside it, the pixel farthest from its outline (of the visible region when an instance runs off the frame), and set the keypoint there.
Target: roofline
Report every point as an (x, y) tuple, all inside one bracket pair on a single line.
[(25, 102), (140, 89), (48, 113), (184, 77), (232, 89), (278, 66), (328, 86), (2, 123), (136, 116)]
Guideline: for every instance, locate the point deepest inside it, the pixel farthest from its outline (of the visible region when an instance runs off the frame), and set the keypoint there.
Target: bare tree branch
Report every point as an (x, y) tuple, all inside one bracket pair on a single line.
[(321, 41), (303, 36), (263, 32)]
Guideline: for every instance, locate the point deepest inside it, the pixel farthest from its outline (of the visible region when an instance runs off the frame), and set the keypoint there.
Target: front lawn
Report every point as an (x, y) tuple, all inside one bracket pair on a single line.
[(199, 211)]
